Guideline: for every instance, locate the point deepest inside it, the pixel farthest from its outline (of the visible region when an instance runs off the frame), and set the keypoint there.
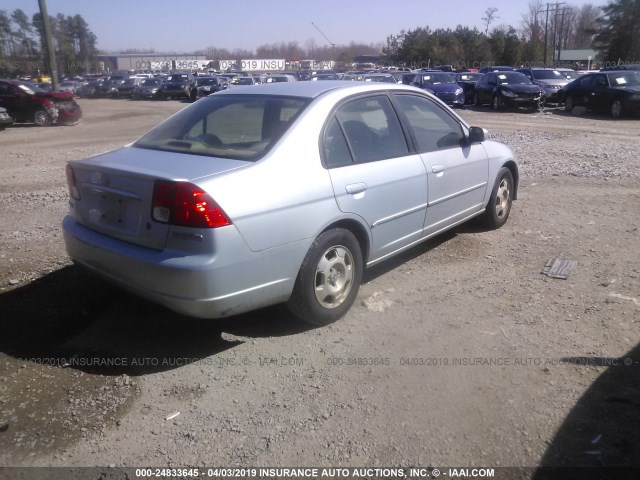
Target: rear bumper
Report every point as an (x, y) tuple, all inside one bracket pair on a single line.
[(226, 280)]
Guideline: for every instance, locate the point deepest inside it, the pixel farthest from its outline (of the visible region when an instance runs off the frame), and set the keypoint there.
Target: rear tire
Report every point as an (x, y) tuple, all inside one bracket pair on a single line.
[(617, 110), (329, 278), (499, 206)]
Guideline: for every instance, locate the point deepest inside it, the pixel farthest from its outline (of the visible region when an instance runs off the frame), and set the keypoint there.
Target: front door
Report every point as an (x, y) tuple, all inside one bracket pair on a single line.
[(457, 172)]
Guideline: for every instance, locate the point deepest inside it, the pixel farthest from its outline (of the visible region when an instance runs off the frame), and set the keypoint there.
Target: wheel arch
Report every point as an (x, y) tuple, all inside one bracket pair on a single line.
[(358, 231), (513, 168)]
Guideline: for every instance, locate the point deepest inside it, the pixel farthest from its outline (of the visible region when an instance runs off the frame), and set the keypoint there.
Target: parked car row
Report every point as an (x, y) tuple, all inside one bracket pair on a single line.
[(501, 87)]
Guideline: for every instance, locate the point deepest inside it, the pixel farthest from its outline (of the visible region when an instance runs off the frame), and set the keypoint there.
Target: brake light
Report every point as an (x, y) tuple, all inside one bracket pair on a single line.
[(184, 204), (71, 182)]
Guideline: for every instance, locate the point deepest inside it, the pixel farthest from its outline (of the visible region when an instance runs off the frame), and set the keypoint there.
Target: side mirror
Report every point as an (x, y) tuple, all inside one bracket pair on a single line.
[(477, 135)]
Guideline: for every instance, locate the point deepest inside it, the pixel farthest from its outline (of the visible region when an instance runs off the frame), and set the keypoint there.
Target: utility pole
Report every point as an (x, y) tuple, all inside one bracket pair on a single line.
[(562, 38), (53, 65), (555, 34), (546, 29), (546, 26)]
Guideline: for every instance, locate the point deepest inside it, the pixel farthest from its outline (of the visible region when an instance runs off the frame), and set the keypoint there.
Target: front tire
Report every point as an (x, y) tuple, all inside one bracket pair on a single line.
[(499, 206), (497, 103), (329, 278), (42, 118), (568, 104)]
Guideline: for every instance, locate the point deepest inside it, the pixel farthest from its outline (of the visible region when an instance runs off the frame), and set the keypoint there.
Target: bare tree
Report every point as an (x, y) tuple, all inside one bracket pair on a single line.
[(584, 26), (533, 21), (490, 16)]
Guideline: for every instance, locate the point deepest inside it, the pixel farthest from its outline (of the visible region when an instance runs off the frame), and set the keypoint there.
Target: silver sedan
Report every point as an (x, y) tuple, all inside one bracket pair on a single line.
[(282, 192)]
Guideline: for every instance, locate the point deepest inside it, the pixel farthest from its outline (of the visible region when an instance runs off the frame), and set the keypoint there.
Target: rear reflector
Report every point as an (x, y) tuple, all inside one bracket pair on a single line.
[(184, 204)]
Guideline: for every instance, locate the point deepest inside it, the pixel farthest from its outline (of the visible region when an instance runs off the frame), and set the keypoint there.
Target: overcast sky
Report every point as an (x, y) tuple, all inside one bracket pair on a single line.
[(188, 25)]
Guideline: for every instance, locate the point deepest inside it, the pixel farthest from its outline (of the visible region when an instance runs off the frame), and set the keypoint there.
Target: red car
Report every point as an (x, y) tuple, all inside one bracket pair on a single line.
[(27, 103)]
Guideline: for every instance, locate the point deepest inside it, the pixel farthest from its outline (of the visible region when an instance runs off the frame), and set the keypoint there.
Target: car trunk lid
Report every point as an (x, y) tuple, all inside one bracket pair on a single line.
[(116, 190)]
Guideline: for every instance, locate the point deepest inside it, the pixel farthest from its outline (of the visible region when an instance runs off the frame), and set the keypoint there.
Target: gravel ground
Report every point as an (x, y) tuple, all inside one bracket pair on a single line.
[(458, 352)]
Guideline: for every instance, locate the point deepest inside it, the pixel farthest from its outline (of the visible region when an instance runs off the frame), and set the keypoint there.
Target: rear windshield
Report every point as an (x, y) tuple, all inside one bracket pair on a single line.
[(548, 75), (241, 127)]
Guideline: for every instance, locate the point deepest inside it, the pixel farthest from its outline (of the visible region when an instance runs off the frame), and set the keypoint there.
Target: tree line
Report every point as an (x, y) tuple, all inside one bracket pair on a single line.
[(563, 28), (23, 49)]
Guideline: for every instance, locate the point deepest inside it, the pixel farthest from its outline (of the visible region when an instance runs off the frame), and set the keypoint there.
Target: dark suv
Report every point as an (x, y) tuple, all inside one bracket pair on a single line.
[(207, 85), (177, 85), (27, 103)]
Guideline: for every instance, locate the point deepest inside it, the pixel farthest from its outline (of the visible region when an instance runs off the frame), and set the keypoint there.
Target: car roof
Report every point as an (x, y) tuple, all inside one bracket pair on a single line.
[(314, 89)]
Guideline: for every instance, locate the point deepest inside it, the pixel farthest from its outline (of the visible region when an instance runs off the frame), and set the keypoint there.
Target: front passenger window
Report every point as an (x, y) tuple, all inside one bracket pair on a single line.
[(432, 127)]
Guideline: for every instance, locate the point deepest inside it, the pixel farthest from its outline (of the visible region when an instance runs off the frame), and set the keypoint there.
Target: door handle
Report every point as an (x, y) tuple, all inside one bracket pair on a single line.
[(437, 168), (354, 188)]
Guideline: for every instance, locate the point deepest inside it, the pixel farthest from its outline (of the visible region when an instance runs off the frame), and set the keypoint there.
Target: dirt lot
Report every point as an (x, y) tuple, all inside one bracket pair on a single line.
[(458, 353)]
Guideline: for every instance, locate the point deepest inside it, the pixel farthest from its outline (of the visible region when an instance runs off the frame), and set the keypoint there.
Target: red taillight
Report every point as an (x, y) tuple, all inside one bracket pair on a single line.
[(184, 204), (71, 182)]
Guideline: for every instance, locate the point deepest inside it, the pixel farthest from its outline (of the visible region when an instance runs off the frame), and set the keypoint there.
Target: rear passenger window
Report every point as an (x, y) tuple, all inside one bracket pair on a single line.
[(363, 130), (433, 128), (336, 150)]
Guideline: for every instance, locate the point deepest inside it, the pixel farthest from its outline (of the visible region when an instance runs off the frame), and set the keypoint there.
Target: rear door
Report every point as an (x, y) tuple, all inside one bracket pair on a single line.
[(373, 173)]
